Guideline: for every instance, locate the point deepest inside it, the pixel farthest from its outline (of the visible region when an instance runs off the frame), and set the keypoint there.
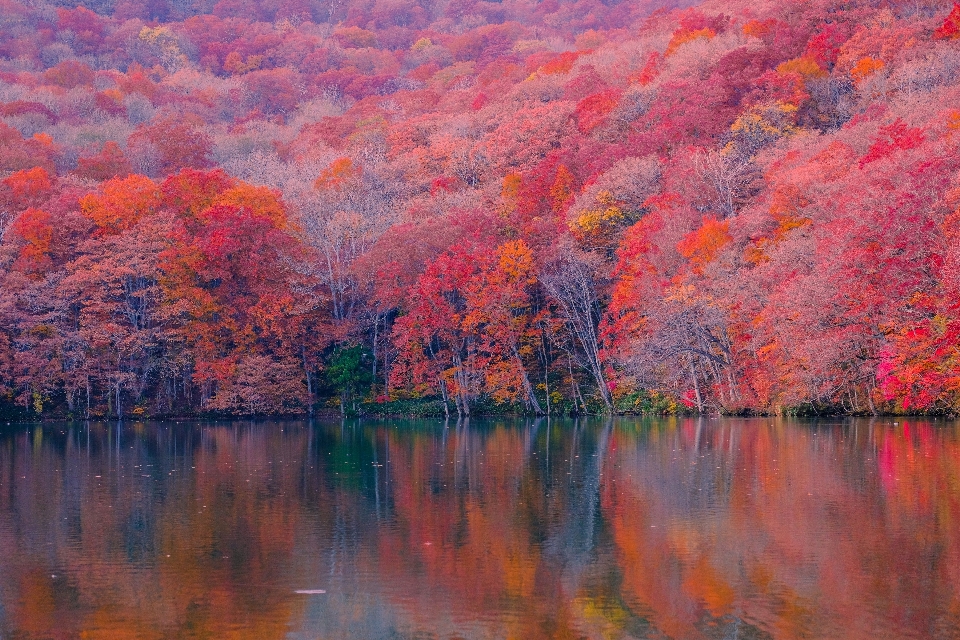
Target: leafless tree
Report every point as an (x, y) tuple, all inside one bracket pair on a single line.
[(730, 174), (6, 219), (572, 280), (688, 346)]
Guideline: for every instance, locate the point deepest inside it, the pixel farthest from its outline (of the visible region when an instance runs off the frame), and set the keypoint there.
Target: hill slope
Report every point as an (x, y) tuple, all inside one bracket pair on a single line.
[(249, 207)]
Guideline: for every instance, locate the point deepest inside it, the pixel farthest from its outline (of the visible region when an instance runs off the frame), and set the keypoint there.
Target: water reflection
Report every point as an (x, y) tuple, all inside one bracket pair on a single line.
[(667, 528)]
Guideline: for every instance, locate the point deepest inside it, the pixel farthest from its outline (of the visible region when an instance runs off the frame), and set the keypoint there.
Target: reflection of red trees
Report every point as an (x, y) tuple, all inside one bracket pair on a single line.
[(463, 509), (180, 577), (797, 530), (800, 580)]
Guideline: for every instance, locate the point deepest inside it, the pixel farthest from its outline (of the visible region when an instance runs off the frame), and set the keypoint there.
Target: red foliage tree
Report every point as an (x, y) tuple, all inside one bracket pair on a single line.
[(175, 144), (109, 163)]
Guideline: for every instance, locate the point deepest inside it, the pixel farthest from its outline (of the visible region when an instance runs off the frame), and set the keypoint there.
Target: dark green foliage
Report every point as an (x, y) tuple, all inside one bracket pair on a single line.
[(349, 373)]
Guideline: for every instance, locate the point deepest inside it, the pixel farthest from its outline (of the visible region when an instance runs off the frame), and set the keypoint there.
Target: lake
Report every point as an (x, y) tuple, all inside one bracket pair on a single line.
[(623, 528)]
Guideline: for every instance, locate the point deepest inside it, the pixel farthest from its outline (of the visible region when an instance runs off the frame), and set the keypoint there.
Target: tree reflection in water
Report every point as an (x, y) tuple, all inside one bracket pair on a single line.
[(647, 528)]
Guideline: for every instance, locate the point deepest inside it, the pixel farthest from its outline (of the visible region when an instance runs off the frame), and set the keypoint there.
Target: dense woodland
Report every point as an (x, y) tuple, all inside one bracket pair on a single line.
[(280, 206)]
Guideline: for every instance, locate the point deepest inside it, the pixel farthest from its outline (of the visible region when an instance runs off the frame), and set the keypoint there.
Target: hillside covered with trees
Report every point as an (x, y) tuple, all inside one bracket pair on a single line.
[(271, 206)]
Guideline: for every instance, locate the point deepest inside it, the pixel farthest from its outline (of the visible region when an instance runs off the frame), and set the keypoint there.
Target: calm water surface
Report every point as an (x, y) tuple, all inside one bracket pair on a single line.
[(668, 528)]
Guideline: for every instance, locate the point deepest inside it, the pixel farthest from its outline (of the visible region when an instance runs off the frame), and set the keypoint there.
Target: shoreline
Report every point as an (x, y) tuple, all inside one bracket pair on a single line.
[(327, 416)]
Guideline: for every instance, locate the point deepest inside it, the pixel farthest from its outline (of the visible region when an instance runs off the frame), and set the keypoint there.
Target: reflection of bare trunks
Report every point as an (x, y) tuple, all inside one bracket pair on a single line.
[(571, 547)]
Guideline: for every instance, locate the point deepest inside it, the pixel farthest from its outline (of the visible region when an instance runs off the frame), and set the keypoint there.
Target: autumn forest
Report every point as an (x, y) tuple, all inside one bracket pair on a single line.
[(458, 207)]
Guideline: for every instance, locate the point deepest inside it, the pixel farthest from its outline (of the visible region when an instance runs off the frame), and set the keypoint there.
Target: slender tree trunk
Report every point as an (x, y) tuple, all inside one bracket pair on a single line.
[(446, 397), (386, 371), (531, 396), (527, 387), (306, 370), (546, 370), (376, 325), (734, 393), (463, 401), (462, 396), (696, 388), (546, 388), (577, 397)]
